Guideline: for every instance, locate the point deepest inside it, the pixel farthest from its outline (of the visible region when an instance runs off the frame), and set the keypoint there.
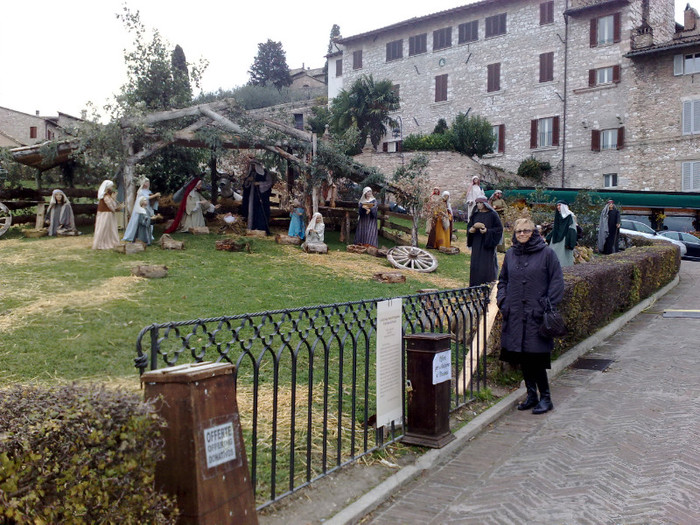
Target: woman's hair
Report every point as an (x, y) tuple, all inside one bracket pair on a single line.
[(524, 222)]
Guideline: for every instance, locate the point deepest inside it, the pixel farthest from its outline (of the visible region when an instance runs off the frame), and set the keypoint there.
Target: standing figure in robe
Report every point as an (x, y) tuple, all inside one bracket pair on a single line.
[(432, 202), (296, 224), (59, 215), (474, 192), (609, 228), (106, 236), (440, 225), (484, 232), (564, 235), (139, 227), (366, 232), (257, 188)]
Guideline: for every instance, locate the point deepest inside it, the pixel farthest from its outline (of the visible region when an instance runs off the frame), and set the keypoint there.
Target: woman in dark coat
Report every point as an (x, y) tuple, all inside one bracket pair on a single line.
[(530, 273)]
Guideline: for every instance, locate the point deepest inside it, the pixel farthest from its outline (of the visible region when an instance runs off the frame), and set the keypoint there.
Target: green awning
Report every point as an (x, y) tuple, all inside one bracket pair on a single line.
[(641, 199)]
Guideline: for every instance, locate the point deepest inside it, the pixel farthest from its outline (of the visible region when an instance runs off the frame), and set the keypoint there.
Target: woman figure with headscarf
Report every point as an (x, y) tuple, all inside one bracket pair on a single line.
[(366, 232), (59, 215), (441, 223), (608, 228), (563, 237), (474, 192), (432, 202), (106, 236), (484, 231), (296, 223), (139, 227)]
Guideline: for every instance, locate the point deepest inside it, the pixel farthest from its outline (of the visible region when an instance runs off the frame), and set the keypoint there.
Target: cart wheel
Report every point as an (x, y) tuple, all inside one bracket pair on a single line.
[(412, 258), (5, 219)]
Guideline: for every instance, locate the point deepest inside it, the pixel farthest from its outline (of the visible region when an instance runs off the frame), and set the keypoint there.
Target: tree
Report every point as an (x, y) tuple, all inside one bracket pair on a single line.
[(472, 135), (412, 188), (270, 66), (335, 33), (367, 105), (181, 78)]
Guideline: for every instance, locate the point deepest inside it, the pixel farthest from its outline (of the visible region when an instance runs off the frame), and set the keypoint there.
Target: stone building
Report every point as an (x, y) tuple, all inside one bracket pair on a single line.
[(593, 87), (22, 129)]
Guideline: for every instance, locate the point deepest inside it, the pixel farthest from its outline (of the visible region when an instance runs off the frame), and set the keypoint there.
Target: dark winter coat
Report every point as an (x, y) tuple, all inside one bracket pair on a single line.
[(530, 272)]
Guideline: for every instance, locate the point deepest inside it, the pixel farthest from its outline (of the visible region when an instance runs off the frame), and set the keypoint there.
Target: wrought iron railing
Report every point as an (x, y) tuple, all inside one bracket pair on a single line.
[(305, 377)]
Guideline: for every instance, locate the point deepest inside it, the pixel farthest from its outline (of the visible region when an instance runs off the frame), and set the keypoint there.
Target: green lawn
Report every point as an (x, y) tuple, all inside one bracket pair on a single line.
[(68, 312)]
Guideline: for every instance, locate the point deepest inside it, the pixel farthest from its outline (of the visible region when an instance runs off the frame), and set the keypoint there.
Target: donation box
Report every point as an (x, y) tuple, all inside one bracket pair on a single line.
[(205, 464), (429, 372)]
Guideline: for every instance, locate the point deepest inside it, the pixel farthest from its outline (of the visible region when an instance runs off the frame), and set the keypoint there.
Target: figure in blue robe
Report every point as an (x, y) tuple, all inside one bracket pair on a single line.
[(296, 224)]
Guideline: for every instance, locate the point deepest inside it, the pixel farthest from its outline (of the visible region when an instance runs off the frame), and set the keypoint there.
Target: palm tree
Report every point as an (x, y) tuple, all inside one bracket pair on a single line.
[(367, 105)]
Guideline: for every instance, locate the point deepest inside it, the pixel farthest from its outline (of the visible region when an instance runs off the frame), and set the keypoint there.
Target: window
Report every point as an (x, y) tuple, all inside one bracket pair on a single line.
[(396, 88), (496, 25), (468, 32), (609, 180), (442, 38), (544, 132), (604, 75), (546, 13), (493, 82), (49, 134), (339, 67), (357, 59), (32, 132), (691, 117), (394, 50), (499, 136), (440, 88), (686, 64), (417, 44), (299, 120), (547, 67), (605, 30), (607, 139), (691, 176)]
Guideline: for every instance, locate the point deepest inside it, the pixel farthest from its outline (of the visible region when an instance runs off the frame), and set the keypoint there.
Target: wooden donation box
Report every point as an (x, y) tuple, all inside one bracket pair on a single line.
[(429, 370), (205, 464)]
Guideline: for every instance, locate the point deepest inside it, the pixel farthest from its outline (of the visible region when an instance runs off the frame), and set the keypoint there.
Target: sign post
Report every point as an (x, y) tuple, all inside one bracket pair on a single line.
[(205, 464)]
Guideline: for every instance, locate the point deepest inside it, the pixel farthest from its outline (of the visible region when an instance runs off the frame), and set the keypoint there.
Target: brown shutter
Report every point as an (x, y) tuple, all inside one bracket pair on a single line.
[(621, 137), (501, 138), (543, 65), (616, 74), (533, 134), (543, 13), (616, 27), (497, 73), (591, 77), (555, 131), (594, 32), (595, 140)]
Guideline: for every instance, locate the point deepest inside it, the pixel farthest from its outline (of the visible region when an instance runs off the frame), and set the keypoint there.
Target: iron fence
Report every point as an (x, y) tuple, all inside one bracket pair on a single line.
[(305, 377)]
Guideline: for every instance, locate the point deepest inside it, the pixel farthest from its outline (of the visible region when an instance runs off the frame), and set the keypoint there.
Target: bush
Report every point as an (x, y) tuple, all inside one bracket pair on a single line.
[(531, 168), (81, 455), (434, 142), (441, 127), (472, 135)]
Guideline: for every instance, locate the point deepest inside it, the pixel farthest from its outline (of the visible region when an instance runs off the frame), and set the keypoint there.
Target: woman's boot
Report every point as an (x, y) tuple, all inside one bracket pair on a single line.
[(545, 404), (531, 386)]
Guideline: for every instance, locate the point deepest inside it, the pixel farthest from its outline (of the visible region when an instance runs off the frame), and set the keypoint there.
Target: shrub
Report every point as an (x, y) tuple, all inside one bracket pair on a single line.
[(434, 142), (441, 127), (531, 168), (472, 135), (81, 455)]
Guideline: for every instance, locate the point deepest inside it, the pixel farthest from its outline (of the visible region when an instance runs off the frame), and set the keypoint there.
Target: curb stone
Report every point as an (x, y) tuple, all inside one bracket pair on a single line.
[(354, 512)]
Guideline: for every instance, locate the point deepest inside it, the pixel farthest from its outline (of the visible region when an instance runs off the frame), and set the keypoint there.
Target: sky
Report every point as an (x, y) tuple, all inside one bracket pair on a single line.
[(58, 56)]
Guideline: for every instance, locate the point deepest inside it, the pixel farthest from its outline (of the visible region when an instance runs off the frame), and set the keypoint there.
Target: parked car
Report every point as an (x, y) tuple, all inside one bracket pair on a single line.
[(692, 243), (629, 227)]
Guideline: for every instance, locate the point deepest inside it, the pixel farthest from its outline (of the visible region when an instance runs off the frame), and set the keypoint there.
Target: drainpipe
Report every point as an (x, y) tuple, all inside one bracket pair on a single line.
[(566, 95)]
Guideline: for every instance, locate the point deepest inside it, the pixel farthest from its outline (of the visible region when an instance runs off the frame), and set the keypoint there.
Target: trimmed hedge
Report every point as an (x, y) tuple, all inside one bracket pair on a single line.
[(79, 454), (598, 291)]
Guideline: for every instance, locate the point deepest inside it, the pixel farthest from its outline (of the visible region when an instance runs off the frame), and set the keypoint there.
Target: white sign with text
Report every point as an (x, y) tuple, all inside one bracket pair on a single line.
[(389, 330), (219, 444), (442, 367)]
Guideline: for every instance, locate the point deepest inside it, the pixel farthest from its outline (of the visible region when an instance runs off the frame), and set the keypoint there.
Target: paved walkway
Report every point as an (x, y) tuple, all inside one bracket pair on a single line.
[(621, 446)]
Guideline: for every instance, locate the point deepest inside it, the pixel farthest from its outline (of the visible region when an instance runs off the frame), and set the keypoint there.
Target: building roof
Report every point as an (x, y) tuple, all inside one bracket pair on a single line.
[(420, 19), (676, 44), (585, 7)]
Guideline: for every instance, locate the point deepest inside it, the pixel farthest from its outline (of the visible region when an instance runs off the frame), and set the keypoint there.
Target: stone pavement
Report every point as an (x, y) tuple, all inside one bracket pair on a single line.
[(622, 446)]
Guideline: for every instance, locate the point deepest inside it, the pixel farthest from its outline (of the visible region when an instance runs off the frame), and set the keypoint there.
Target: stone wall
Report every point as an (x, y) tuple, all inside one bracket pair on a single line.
[(17, 125)]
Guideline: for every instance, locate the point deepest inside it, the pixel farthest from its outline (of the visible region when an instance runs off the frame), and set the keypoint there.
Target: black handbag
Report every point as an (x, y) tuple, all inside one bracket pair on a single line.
[(553, 324)]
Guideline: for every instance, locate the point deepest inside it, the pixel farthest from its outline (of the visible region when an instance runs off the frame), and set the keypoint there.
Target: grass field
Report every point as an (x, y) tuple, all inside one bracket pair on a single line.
[(68, 312)]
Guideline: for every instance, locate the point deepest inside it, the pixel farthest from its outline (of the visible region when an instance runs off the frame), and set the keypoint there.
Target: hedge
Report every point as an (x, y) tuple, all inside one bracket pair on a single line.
[(79, 454)]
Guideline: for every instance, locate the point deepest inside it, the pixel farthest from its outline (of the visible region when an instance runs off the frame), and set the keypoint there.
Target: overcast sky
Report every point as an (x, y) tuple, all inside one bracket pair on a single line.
[(58, 55)]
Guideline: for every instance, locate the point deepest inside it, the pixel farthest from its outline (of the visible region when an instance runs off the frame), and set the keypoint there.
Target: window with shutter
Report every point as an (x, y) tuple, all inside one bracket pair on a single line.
[(394, 50), (610, 180), (339, 67), (495, 25), (678, 65), (595, 140), (499, 136), (620, 137), (546, 67), (442, 38), (440, 88), (690, 176), (493, 82), (357, 59), (32, 132), (533, 134), (468, 32), (691, 117), (545, 131), (418, 44), (546, 13), (608, 139)]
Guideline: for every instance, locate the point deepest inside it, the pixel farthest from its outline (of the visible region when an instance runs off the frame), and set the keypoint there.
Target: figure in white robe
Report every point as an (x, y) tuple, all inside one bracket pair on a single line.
[(195, 209), (474, 192), (106, 236)]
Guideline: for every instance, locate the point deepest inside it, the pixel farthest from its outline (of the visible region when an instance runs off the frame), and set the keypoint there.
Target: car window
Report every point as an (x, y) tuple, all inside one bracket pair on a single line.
[(670, 235), (627, 225), (686, 237), (644, 228)]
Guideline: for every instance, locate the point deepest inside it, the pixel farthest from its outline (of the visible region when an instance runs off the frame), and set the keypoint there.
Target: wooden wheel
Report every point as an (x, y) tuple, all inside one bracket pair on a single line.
[(412, 258), (5, 219)]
